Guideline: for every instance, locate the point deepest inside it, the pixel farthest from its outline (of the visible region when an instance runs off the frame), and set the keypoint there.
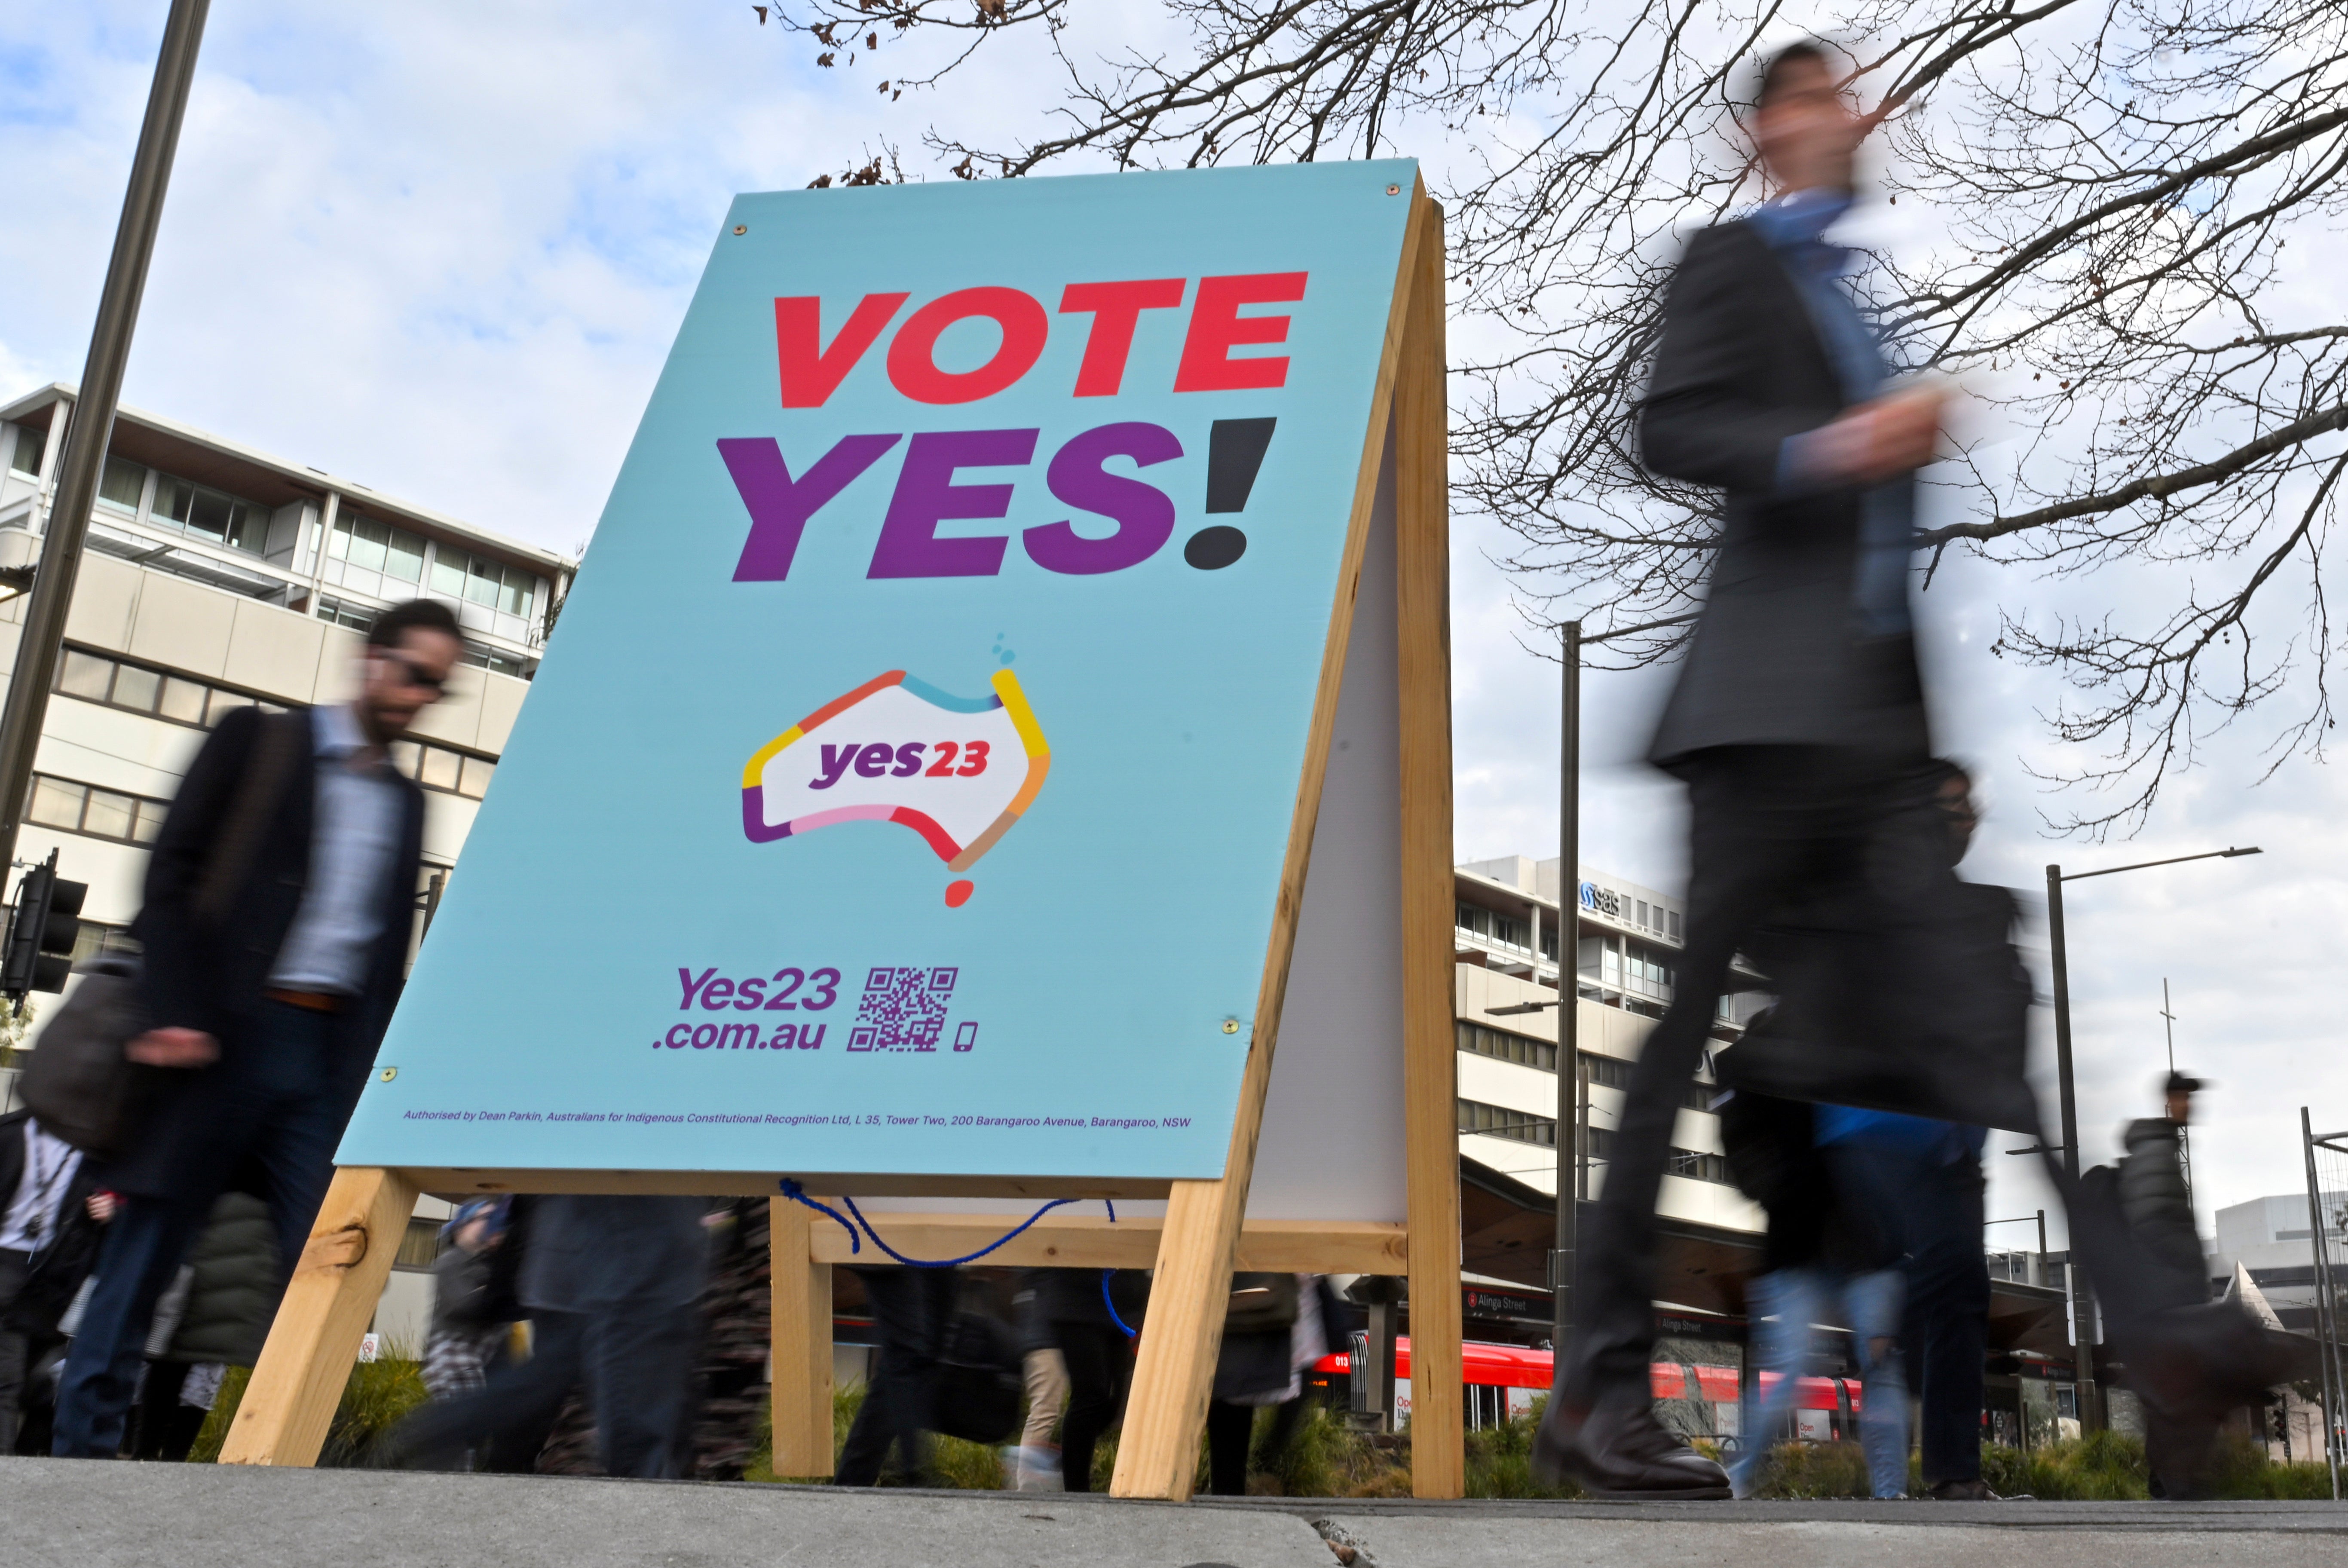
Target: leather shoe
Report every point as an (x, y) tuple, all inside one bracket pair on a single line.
[(1624, 1452), (1962, 1491)]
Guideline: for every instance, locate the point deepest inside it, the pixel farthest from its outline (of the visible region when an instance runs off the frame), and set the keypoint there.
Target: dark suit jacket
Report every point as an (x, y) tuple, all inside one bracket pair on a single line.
[(201, 975), (58, 1267), (1776, 657)]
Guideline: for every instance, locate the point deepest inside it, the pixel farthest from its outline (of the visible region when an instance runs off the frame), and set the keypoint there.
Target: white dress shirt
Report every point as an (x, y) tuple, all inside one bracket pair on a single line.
[(354, 837), (31, 1221)]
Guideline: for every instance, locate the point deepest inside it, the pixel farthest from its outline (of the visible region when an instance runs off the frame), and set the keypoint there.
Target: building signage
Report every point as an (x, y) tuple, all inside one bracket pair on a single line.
[(907, 786)]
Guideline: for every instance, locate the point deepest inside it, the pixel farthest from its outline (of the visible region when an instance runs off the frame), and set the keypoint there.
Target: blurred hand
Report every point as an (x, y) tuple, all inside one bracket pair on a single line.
[(102, 1205), (1879, 439), (173, 1049)]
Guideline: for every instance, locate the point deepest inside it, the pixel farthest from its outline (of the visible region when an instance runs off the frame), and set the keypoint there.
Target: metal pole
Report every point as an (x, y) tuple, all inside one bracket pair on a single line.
[(2323, 1304), (2041, 1249), (92, 424), (1571, 1136), (2081, 1294)]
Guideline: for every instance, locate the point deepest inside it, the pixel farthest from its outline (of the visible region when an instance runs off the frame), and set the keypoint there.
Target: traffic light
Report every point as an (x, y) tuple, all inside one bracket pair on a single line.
[(43, 927)]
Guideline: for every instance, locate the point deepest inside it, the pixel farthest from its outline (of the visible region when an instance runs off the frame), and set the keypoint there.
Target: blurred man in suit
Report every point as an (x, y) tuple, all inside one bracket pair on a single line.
[(280, 904), (1799, 719)]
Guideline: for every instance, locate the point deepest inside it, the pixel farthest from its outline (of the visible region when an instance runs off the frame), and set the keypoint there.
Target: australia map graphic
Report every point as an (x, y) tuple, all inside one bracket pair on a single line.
[(959, 771)]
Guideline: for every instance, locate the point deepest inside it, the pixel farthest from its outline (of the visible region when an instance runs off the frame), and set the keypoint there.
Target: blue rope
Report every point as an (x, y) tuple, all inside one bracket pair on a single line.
[(798, 1194), (1113, 1317)]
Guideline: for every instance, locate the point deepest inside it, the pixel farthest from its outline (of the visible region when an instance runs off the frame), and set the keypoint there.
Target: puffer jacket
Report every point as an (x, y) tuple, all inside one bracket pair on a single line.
[(233, 1293), (2156, 1202)]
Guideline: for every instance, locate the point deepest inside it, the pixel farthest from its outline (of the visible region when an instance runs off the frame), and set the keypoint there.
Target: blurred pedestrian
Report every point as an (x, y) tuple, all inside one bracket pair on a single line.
[(1828, 1255), (1035, 1464), (912, 1308), (1273, 1328), (50, 1215), (1093, 1314), (470, 1322), (1797, 721), (612, 1286), (215, 1316), (1924, 1177), (2154, 1197), (737, 1340), (279, 903)]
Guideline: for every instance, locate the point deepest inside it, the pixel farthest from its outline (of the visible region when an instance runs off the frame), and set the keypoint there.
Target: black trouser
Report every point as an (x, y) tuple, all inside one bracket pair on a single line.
[(1098, 1363), (16, 1349), (1231, 1431), (1770, 826), (1937, 1206), (164, 1429), (911, 1309), (636, 1361)]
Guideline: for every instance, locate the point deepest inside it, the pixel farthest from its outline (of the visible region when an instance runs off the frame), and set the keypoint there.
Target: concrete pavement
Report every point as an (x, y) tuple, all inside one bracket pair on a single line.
[(61, 1514)]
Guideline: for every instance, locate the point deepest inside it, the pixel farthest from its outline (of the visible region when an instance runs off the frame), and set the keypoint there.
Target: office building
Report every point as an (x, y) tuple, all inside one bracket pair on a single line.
[(216, 576), (1627, 940)]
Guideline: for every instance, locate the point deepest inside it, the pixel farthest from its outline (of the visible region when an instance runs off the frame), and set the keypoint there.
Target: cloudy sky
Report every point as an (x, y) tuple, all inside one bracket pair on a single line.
[(441, 248)]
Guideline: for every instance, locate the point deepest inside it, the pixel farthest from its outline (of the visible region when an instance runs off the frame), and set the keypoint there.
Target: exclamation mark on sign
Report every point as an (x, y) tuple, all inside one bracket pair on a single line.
[(1235, 450)]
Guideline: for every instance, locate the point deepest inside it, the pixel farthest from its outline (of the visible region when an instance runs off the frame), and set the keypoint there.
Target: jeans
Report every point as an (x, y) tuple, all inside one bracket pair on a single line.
[(1769, 825), (637, 1362), (1784, 1306), (1948, 1301), (911, 1309), (279, 1114)]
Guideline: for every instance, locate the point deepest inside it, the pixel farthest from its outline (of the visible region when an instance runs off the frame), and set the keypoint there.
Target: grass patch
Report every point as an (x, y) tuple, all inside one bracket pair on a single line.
[(379, 1392)]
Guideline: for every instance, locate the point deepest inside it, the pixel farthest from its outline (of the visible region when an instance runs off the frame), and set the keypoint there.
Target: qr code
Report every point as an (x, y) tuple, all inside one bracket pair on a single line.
[(903, 1009)]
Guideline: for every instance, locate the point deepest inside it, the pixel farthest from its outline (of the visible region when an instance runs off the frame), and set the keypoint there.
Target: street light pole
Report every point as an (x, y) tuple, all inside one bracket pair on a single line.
[(91, 424), (2081, 1294), (2083, 1300), (1562, 1256)]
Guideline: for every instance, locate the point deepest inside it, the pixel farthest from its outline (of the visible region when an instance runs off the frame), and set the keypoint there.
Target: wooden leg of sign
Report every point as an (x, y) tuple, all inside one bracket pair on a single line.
[(315, 1341), (802, 1347), (1430, 1056)]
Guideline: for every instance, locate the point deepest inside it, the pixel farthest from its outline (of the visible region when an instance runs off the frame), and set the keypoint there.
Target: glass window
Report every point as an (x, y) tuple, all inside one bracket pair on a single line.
[(110, 815), (184, 700), (210, 514), (404, 556), (135, 688), (26, 458), (403, 755), (362, 539), (223, 704), (122, 483), (343, 613), (476, 779), (521, 592), (151, 820), (56, 803), (440, 768), (85, 675), (448, 572), (482, 581)]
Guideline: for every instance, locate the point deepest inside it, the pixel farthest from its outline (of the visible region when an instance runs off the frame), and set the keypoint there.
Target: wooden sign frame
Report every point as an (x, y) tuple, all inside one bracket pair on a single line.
[(291, 1400)]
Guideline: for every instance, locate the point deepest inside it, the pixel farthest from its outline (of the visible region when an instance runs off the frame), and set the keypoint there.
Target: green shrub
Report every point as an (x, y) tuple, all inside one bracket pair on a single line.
[(1500, 1461), (379, 1392)]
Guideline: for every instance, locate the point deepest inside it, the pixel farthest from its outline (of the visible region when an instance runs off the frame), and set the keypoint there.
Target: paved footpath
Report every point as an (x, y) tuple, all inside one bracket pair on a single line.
[(58, 1514)]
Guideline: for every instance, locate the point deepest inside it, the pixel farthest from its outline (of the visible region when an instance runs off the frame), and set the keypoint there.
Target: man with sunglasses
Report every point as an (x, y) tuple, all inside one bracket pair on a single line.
[(279, 906)]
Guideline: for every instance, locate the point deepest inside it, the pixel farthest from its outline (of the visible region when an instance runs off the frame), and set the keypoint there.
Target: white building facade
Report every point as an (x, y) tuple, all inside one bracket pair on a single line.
[(1627, 941), (216, 576)]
